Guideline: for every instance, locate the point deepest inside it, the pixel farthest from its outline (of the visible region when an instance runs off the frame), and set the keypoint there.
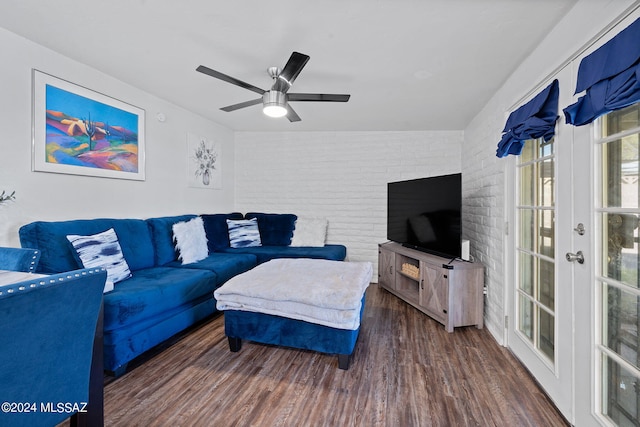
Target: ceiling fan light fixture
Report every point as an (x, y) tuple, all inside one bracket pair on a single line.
[(274, 104), (274, 110)]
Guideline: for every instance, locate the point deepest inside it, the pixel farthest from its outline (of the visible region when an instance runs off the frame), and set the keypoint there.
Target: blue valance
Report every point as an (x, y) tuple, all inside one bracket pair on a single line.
[(610, 76), (535, 119)]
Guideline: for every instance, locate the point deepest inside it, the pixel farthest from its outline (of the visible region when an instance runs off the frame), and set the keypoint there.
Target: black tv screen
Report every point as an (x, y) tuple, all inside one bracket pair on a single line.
[(424, 214)]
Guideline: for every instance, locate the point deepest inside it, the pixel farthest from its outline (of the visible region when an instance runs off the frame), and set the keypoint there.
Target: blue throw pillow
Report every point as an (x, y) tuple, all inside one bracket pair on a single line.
[(215, 226), (275, 229), (102, 250), (243, 233)]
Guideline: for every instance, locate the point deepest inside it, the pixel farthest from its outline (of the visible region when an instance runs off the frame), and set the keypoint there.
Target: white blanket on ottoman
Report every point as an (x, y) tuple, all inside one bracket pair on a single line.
[(313, 290)]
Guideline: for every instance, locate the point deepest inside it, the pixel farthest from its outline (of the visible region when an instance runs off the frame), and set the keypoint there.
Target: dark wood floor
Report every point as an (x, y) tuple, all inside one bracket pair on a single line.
[(406, 371)]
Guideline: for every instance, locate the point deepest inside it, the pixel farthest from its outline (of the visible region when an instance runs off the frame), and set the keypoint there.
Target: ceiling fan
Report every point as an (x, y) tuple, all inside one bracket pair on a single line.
[(276, 100)]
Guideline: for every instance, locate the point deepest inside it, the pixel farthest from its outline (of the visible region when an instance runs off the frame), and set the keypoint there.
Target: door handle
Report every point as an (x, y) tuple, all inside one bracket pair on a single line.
[(578, 256)]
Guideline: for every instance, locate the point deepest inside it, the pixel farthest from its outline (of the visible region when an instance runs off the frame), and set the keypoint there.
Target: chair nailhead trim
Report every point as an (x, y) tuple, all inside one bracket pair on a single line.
[(50, 281)]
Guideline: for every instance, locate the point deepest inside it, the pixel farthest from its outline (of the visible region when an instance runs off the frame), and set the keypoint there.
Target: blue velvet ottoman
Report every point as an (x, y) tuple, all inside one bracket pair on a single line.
[(304, 303)]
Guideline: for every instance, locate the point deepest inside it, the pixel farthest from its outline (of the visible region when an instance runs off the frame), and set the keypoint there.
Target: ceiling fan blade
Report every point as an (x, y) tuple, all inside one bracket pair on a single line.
[(290, 72), (325, 97), (241, 105), (229, 79), (292, 115)]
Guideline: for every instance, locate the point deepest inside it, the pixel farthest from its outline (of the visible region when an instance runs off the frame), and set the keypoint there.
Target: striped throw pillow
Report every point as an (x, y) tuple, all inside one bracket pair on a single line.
[(244, 233), (102, 250)]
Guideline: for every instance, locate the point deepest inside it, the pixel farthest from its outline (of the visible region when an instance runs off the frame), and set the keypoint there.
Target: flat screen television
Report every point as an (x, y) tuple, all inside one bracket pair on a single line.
[(424, 214)]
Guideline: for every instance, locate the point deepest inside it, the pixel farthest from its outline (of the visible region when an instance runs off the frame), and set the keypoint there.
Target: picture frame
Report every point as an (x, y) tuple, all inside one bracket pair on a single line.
[(79, 131), (204, 157)]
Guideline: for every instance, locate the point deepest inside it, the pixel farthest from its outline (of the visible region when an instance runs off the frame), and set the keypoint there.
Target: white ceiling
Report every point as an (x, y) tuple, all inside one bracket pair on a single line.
[(408, 64)]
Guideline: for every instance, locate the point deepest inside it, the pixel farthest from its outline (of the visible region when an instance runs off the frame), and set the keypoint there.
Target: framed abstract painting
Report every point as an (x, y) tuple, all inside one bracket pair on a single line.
[(81, 132)]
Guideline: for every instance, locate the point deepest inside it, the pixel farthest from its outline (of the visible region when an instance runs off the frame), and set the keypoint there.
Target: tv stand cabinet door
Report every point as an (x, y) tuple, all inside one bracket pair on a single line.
[(434, 293), (386, 268)]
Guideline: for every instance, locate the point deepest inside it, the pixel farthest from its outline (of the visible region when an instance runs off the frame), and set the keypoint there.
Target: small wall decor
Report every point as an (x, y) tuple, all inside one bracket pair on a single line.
[(4, 197), (81, 132), (204, 157)]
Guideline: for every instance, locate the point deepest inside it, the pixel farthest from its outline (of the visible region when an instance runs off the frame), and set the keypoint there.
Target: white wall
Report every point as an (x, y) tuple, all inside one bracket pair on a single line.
[(484, 173), (47, 196), (341, 176)]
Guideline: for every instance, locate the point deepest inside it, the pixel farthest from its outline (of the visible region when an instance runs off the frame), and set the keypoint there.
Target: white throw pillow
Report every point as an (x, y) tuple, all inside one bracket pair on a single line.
[(102, 250), (310, 232), (191, 240)]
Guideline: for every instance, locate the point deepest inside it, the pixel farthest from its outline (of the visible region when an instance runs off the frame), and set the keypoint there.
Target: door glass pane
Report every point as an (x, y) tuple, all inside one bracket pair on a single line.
[(547, 230), (620, 121), (545, 148), (536, 246), (525, 320), (620, 399), (527, 185), (526, 229), (526, 273), (620, 245), (621, 172), (546, 279), (528, 151), (546, 183), (621, 333), (546, 327)]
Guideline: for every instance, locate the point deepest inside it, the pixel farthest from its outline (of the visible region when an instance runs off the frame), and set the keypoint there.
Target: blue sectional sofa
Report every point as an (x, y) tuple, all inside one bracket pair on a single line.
[(163, 297)]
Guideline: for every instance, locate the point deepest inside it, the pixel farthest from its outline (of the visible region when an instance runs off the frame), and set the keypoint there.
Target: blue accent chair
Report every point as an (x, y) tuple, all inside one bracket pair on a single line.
[(19, 259), (48, 329)]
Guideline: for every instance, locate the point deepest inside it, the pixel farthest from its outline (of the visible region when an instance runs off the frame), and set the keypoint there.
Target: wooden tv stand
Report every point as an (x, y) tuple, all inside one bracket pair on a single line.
[(450, 292)]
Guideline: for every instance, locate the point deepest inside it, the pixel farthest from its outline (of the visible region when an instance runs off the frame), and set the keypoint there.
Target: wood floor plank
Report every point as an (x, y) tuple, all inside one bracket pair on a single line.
[(406, 371)]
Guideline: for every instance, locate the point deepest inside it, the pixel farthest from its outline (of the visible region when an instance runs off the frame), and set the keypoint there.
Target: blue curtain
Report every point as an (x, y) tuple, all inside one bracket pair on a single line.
[(610, 76), (535, 119)]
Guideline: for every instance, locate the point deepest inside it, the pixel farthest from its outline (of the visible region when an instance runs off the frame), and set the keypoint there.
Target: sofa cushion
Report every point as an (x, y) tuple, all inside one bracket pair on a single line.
[(57, 255), (102, 250), (243, 233), (153, 291), (191, 240), (223, 264), (275, 229), (266, 253), (162, 235), (215, 225), (123, 344)]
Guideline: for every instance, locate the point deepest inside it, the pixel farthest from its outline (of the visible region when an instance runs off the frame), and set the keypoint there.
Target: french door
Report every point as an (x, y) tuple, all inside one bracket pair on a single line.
[(540, 300), (614, 350)]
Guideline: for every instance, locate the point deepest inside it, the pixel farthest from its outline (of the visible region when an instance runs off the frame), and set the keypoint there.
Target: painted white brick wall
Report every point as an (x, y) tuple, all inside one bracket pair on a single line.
[(341, 176), (483, 211)]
